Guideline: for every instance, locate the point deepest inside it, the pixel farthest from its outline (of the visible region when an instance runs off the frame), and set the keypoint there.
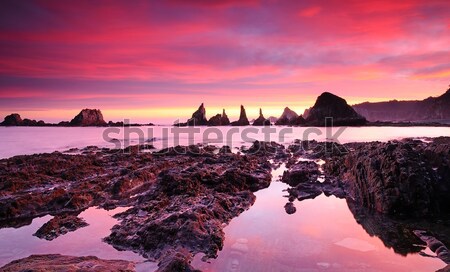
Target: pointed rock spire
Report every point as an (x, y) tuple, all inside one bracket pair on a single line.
[(198, 117), (261, 121), (243, 121)]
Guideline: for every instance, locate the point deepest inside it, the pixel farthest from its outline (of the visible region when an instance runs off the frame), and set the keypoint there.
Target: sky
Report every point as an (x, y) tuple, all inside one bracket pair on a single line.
[(156, 61)]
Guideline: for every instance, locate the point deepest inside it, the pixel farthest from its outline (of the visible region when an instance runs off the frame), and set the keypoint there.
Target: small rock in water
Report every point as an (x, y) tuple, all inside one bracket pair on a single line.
[(290, 208)]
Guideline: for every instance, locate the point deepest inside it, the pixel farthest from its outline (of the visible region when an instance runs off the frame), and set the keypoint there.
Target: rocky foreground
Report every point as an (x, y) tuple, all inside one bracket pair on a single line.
[(182, 197)]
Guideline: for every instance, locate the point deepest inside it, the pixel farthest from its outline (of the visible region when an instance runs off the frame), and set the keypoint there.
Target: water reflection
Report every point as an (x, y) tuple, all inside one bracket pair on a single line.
[(321, 235), (18, 243)]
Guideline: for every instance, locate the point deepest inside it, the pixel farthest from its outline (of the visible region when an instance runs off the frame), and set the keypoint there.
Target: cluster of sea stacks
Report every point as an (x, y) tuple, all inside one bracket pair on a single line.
[(327, 105), (431, 111)]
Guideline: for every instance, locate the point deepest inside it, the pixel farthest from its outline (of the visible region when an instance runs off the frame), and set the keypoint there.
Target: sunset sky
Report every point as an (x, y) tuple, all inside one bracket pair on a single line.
[(158, 60)]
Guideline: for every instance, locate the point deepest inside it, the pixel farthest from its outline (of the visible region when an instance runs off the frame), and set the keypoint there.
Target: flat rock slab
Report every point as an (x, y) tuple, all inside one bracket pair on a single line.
[(57, 262)]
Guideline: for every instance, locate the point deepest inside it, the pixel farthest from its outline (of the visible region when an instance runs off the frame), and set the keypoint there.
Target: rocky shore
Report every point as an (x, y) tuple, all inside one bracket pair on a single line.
[(182, 197)]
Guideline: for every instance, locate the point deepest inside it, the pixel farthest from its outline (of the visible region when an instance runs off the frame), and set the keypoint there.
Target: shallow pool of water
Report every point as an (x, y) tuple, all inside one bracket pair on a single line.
[(20, 243), (322, 235)]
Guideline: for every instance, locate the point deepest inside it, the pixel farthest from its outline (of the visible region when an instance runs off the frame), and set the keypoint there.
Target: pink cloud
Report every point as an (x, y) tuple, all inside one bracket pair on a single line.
[(224, 51)]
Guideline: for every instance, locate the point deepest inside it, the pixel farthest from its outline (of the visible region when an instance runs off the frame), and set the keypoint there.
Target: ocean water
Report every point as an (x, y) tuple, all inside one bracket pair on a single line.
[(323, 235), (31, 140)]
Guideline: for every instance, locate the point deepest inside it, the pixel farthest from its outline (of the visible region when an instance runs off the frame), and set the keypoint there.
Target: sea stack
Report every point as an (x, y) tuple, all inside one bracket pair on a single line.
[(261, 121), (88, 118), (198, 117), (329, 105), (243, 121), (219, 120), (287, 117), (13, 119)]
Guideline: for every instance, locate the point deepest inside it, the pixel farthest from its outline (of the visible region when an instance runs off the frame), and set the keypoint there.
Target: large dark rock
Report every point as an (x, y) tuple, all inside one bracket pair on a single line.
[(219, 120), (198, 117), (286, 118), (397, 178), (243, 121), (88, 117), (329, 105), (261, 121), (12, 120), (57, 262)]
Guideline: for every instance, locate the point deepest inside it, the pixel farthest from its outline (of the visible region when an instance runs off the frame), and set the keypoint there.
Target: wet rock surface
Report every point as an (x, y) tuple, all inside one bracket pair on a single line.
[(57, 262), (59, 225), (408, 177), (180, 197), (187, 207)]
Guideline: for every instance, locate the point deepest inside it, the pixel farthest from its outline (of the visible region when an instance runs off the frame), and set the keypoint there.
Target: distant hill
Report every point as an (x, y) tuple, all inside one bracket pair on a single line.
[(432, 109)]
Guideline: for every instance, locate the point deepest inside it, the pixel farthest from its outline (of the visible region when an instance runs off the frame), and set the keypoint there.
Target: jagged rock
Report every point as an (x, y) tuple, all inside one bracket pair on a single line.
[(198, 117), (269, 149), (219, 120), (12, 120), (179, 201), (59, 225), (88, 117), (331, 106), (261, 121), (301, 172), (57, 262), (286, 118), (243, 121), (398, 178)]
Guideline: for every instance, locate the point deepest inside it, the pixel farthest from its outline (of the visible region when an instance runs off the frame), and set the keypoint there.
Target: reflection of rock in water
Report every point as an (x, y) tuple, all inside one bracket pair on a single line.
[(396, 233), (435, 245), (238, 251)]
